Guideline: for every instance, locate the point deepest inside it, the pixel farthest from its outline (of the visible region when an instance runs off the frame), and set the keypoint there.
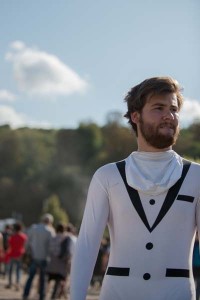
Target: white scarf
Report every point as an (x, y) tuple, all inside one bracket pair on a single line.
[(153, 172)]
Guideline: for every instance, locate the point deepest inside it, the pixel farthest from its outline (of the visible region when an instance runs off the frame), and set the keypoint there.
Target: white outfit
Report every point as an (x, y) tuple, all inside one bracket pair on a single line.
[(151, 240)]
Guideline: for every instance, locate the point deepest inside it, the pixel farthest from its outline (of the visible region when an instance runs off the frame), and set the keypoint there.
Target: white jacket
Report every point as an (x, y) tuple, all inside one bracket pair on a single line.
[(151, 239)]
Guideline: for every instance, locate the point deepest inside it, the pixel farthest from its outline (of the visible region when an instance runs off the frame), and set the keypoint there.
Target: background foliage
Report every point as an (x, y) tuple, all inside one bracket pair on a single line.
[(50, 170)]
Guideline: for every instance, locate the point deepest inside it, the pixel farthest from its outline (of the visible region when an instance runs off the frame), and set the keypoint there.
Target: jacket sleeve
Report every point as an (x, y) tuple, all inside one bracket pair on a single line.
[(89, 239), (198, 218)]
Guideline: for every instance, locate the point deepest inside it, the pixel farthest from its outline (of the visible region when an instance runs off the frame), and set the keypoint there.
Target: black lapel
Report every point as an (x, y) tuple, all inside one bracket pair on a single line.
[(172, 194), (133, 194), (169, 199)]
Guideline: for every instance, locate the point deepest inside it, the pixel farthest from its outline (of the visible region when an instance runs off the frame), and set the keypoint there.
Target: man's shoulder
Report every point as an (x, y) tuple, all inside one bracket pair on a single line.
[(195, 165), (191, 161), (107, 175), (107, 168), (194, 168)]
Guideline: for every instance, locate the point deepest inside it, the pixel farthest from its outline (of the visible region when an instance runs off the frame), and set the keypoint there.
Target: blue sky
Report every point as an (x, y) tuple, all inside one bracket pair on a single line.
[(64, 62)]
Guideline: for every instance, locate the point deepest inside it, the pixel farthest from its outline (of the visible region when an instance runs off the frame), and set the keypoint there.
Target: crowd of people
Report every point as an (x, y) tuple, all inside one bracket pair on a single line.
[(41, 249), (45, 250)]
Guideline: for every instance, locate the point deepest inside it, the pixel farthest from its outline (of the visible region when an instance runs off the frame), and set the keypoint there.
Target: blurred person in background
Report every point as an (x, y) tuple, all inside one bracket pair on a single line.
[(14, 254), (57, 268), (39, 239), (101, 263), (1, 253), (6, 234), (72, 233)]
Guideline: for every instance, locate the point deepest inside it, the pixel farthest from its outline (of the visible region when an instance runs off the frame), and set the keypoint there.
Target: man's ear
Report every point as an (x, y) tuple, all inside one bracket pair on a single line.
[(135, 116)]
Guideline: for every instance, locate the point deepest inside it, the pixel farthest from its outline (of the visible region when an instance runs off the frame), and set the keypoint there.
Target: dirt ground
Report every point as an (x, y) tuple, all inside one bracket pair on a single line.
[(13, 294)]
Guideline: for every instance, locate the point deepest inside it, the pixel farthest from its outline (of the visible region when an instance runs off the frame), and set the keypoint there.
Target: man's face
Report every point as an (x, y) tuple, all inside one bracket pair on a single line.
[(158, 123)]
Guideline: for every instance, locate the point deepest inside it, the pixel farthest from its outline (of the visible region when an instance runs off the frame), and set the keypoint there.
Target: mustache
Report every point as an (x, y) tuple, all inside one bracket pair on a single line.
[(168, 124)]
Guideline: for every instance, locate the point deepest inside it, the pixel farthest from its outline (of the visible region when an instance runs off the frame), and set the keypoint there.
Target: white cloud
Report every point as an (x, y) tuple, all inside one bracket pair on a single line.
[(37, 72), (9, 116), (18, 45), (7, 96), (190, 112)]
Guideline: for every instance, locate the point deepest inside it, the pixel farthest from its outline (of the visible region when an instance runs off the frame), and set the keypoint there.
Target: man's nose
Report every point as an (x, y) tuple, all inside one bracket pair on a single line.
[(168, 115)]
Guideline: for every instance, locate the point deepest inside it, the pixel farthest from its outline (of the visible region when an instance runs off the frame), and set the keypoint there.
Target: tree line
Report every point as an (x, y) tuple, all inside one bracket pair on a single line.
[(50, 170)]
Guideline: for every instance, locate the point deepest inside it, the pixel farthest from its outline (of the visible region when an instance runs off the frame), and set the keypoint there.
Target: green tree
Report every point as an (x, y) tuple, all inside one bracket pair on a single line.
[(36, 151), (52, 206), (66, 148), (89, 142), (118, 143), (9, 151)]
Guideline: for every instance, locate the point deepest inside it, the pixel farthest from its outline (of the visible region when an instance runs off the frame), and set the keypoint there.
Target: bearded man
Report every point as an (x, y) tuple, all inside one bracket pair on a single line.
[(150, 202)]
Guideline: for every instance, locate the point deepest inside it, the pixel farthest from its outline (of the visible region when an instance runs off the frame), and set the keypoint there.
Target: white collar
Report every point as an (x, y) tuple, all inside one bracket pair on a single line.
[(153, 172)]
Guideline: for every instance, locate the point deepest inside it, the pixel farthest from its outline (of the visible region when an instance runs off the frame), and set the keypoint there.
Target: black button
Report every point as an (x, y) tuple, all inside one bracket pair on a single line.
[(149, 246), (146, 276), (152, 201)]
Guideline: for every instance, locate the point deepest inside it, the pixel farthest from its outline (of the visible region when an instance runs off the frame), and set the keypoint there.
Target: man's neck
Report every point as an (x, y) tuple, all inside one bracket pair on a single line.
[(144, 147)]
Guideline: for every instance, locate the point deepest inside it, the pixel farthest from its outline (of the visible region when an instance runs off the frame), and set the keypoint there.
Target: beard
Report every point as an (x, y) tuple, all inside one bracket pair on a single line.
[(155, 138)]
